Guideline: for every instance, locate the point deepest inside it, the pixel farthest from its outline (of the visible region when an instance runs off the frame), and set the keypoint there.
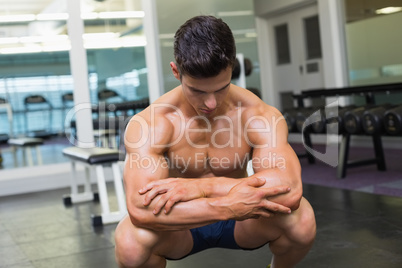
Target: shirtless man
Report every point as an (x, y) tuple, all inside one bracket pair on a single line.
[(185, 174)]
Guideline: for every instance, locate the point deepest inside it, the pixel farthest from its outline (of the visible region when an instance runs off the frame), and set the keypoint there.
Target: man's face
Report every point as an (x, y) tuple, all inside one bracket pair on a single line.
[(206, 95)]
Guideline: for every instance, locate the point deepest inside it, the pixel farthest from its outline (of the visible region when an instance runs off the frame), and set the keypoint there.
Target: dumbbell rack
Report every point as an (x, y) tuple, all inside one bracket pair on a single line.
[(369, 93)]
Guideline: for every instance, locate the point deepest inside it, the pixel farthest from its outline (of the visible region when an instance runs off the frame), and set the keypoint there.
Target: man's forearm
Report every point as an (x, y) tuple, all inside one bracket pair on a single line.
[(245, 200), (220, 186), (276, 177), (184, 215)]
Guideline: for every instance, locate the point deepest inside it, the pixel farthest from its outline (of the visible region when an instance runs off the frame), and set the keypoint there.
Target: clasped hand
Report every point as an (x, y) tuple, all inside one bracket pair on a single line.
[(171, 191), (247, 199)]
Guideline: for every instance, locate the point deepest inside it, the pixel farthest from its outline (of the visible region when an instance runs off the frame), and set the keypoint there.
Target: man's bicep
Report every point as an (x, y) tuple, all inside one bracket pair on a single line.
[(273, 157), (281, 158), (145, 162), (142, 168)]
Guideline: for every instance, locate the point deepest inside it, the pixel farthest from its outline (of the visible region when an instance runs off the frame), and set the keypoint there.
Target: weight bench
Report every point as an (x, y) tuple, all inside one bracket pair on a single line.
[(97, 158), (26, 144)]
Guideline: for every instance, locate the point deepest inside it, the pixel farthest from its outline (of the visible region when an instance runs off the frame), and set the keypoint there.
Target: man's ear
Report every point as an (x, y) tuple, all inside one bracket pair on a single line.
[(175, 71)]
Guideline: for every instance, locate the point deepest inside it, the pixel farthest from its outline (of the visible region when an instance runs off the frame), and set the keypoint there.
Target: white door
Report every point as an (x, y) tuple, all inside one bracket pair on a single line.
[(296, 51)]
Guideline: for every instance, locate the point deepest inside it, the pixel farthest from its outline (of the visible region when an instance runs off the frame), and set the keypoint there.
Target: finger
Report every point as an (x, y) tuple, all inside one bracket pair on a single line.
[(146, 188), (277, 190), (170, 203), (275, 207), (160, 204), (152, 194), (266, 214), (154, 184), (262, 212), (255, 181)]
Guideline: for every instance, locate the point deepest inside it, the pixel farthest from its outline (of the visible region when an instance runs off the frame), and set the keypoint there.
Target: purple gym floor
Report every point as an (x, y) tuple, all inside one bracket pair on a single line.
[(364, 178)]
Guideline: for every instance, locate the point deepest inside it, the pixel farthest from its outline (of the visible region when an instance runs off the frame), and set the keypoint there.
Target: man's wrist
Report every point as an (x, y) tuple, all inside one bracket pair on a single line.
[(217, 186), (223, 210), (207, 187)]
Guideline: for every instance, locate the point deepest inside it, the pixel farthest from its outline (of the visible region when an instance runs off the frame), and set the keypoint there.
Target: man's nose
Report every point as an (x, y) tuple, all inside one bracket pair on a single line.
[(210, 101)]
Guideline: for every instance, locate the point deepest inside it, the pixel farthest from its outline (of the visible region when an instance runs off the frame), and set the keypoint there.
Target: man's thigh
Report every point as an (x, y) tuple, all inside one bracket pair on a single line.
[(174, 244), (169, 244), (254, 233)]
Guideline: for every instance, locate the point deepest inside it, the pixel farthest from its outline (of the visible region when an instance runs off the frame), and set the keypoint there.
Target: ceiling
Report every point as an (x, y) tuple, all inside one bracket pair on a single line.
[(356, 9), (11, 7), (22, 6), (38, 35), (364, 9), (120, 28)]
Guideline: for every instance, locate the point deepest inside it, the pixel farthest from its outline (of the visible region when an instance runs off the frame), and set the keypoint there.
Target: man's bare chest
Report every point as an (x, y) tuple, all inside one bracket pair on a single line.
[(220, 151)]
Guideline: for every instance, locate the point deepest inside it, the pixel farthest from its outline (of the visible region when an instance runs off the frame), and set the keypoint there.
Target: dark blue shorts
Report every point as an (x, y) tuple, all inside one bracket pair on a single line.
[(215, 235)]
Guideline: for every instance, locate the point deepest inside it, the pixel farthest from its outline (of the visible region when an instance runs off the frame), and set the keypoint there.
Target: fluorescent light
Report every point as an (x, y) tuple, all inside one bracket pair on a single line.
[(38, 44), (388, 10), (243, 31), (55, 38), (17, 18), (99, 36), (99, 45), (64, 16), (45, 38), (133, 41), (235, 13), (30, 39), (121, 15), (9, 40), (52, 16), (63, 47), (115, 43), (90, 16), (20, 50), (251, 35), (166, 36)]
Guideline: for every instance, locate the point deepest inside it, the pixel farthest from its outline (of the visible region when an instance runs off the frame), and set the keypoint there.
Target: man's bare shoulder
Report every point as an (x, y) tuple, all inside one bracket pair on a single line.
[(154, 124), (261, 121), (253, 107)]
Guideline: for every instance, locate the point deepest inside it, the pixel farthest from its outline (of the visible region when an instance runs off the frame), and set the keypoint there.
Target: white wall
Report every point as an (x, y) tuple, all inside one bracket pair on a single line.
[(41, 178), (373, 43), (332, 39)]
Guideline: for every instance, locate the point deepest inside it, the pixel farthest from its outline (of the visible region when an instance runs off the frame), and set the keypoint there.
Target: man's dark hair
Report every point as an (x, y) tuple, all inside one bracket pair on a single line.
[(203, 47)]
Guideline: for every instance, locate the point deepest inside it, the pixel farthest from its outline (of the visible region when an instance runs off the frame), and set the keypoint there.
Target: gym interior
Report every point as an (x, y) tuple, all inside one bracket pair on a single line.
[(74, 72)]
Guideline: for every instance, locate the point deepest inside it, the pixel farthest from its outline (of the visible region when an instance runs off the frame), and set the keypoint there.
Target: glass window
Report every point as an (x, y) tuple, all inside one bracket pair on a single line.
[(373, 42), (282, 44), (313, 39)]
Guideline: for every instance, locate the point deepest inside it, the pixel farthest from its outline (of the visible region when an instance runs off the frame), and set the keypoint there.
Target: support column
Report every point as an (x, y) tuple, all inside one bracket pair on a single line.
[(333, 43), (152, 50), (79, 71)]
